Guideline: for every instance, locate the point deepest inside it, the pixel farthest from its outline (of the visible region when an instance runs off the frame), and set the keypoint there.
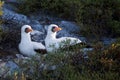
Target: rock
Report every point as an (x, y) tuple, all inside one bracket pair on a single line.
[(66, 33), (36, 25), (11, 66), (12, 17), (38, 36), (71, 27), (9, 6), (38, 20), (7, 68), (12, 1), (3, 71), (42, 17), (85, 51), (107, 41), (20, 56)]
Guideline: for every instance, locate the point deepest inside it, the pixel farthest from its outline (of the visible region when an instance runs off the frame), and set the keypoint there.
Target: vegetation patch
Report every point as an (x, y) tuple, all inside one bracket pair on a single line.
[(97, 18), (1, 4), (102, 63)]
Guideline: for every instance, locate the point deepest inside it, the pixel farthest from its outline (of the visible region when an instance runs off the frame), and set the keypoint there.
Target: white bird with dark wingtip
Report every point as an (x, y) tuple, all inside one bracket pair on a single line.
[(52, 43), (28, 47)]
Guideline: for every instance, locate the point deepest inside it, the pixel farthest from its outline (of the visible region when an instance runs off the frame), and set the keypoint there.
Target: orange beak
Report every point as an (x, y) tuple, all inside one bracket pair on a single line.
[(57, 29), (28, 30)]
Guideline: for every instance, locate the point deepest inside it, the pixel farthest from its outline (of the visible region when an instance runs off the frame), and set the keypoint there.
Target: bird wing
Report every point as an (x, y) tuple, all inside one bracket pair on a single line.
[(37, 45), (39, 48), (70, 40)]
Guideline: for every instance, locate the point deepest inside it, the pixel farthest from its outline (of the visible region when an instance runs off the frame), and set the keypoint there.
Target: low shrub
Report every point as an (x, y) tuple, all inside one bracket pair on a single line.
[(105, 59), (102, 63), (62, 8), (99, 18), (9, 39)]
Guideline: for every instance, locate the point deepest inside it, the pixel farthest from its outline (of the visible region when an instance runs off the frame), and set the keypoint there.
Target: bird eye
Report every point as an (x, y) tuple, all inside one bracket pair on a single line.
[(53, 29), (28, 30)]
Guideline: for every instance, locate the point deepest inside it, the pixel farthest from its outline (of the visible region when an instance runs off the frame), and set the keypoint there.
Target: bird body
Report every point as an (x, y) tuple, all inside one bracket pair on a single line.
[(26, 46), (52, 43)]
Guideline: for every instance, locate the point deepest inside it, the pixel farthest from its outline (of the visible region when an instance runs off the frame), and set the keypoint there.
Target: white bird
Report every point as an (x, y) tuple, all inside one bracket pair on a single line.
[(52, 43), (28, 47)]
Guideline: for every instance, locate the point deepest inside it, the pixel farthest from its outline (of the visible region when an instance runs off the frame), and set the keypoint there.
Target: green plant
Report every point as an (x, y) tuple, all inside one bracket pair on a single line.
[(98, 17), (104, 59), (28, 6), (102, 63), (1, 4), (9, 39), (62, 8)]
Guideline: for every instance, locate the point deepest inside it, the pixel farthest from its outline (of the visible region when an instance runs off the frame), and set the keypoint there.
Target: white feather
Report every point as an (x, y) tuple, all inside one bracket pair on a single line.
[(52, 43), (26, 46)]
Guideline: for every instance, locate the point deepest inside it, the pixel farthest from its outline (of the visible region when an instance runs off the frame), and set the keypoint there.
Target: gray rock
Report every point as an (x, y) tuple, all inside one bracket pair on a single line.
[(7, 68), (2, 69), (66, 33), (10, 7), (71, 27), (85, 50), (37, 36), (36, 25), (12, 1), (12, 17), (107, 41), (12, 66)]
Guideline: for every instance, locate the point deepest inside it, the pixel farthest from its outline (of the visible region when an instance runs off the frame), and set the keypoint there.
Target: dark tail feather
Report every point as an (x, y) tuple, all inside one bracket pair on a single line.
[(41, 51)]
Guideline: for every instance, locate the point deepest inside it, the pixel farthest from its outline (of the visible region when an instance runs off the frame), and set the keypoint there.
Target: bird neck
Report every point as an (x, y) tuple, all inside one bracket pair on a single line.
[(25, 37), (52, 35)]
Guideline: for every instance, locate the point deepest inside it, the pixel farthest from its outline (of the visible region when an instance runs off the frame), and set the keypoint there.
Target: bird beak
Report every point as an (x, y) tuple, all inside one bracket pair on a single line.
[(57, 29), (28, 30)]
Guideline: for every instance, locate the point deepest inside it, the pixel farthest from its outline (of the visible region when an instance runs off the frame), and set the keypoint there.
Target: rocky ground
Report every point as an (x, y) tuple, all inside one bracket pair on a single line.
[(13, 21)]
